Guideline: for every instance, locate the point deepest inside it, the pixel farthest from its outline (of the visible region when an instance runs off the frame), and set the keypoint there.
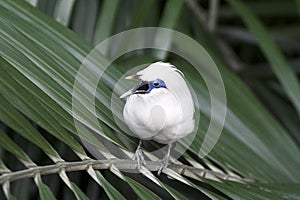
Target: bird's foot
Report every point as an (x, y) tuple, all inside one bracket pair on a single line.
[(163, 163), (139, 157)]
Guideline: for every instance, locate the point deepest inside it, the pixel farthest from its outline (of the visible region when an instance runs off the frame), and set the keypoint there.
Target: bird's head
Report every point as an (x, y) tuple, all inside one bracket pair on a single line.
[(145, 87), (155, 76)]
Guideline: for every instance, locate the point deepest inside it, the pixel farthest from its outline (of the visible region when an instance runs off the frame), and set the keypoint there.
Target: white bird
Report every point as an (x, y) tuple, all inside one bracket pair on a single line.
[(159, 108)]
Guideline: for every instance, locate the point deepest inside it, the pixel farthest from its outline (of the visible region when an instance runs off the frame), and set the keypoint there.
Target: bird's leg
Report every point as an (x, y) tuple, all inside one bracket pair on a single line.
[(138, 155), (165, 161)]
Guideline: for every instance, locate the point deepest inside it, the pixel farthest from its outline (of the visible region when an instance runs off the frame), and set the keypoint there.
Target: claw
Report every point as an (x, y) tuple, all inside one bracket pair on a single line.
[(165, 161), (138, 156)]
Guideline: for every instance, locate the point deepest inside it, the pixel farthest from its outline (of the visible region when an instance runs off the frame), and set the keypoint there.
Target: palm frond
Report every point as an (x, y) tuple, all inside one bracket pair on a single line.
[(256, 157)]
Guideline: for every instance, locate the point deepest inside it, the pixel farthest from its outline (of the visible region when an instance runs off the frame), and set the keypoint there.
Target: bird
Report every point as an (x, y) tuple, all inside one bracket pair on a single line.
[(159, 108)]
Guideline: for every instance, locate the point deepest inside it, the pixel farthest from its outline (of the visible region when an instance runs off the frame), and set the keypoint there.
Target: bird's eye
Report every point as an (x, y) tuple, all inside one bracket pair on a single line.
[(156, 83)]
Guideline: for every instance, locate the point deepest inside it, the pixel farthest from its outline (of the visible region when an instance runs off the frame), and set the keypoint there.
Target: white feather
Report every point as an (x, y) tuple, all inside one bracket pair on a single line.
[(165, 114)]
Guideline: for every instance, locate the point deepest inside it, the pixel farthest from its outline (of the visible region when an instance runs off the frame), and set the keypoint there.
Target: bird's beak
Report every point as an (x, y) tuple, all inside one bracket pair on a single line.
[(129, 92), (132, 77)]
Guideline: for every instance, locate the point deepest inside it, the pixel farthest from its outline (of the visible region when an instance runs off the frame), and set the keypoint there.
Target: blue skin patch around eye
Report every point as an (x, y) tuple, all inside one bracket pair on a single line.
[(145, 87)]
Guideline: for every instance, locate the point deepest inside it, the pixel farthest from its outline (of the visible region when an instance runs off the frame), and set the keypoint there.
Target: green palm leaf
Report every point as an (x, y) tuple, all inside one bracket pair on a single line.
[(39, 60)]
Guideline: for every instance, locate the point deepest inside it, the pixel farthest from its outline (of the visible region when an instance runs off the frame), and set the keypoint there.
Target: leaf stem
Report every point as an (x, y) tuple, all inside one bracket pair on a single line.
[(120, 164)]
